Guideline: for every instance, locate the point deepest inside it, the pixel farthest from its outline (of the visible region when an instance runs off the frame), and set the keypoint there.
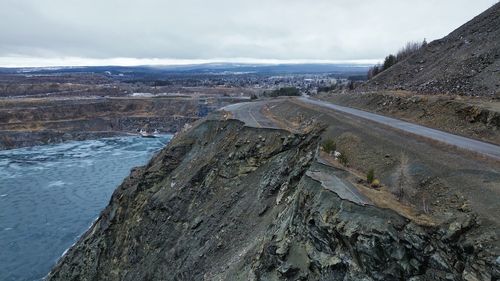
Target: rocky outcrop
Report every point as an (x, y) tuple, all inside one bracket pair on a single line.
[(324, 238), (476, 114), (227, 202), (466, 62)]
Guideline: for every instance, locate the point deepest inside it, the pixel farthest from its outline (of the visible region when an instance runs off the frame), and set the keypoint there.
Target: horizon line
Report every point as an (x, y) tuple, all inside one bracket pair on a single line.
[(41, 62)]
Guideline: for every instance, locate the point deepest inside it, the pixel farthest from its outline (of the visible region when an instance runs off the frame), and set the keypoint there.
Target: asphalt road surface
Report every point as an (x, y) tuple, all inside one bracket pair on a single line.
[(250, 113), (342, 188), (484, 148)]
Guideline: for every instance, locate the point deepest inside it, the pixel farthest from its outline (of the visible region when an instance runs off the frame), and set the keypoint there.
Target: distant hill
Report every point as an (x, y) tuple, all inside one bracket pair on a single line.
[(209, 68), (465, 62)]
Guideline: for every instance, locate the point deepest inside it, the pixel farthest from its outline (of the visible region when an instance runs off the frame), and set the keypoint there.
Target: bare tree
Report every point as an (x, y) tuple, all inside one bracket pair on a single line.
[(406, 51), (425, 203), (409, 49), (373, 71), (403, 187)]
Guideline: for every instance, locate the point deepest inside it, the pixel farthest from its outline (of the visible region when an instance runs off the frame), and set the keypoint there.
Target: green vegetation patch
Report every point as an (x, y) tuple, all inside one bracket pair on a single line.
[(285, 91), (329, 146)]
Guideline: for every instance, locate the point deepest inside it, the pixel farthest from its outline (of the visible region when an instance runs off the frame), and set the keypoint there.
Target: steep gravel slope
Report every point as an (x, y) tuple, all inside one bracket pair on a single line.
[(466, 62)]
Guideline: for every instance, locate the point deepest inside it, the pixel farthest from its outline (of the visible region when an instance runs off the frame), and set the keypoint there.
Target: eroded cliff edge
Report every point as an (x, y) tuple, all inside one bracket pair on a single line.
[(227, 202)]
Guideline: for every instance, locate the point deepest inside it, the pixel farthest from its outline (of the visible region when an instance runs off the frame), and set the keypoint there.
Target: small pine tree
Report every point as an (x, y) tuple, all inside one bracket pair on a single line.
[(370, 176), (389, 61)]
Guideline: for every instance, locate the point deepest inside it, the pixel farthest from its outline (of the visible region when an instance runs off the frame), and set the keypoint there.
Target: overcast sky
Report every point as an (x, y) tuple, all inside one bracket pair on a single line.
[(90, 32)]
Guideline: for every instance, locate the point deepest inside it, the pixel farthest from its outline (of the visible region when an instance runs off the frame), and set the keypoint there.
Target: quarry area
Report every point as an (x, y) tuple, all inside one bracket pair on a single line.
[(333, 172)]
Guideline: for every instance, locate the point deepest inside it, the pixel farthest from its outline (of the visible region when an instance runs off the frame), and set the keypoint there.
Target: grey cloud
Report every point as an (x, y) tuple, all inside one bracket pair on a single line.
[(201, 29)]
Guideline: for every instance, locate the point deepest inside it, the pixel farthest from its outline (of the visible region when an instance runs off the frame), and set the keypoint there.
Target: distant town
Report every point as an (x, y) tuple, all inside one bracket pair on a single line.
[(150, 81)]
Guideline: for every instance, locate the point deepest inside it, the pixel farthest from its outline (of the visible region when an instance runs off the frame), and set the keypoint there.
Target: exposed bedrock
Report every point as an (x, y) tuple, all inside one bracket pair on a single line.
[(227, 202)]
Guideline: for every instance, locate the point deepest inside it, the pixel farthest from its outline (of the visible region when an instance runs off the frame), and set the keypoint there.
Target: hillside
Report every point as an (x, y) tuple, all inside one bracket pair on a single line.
[(228, 202), (466, 62)]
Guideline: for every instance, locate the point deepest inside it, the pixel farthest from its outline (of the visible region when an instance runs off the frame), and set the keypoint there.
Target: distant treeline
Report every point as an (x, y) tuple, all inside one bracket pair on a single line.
[(327, 89), (357, 77), (409, 49), (148, 80), (285, 91)]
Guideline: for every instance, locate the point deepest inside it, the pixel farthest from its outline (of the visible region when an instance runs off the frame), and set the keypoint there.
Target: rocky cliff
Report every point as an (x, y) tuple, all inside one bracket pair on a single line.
[(227, 202), (467, 62), (27, 122)]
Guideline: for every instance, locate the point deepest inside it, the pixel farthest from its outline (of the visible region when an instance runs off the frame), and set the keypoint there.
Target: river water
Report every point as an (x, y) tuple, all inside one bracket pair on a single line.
[(50, 195)]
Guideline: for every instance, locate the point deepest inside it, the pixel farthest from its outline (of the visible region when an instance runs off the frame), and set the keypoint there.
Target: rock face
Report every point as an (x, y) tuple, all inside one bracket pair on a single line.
[(27, 122), (467, 61), (227, 202)]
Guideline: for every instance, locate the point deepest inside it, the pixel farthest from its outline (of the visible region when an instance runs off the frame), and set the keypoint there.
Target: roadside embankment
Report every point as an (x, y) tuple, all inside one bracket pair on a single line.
[(477, 118)]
